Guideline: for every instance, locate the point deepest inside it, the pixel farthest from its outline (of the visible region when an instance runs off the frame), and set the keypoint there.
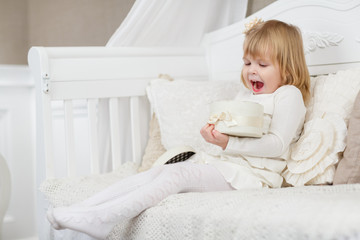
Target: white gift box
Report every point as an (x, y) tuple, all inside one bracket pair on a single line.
[(237, 118)]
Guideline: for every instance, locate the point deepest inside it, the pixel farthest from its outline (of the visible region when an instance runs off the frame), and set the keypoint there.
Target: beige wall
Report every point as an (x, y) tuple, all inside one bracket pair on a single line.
[(13, 31), (75, 23), (26, 23), (256, 5)]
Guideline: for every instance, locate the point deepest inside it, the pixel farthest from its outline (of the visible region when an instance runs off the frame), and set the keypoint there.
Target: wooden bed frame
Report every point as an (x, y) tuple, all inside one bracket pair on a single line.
[(68, 74)]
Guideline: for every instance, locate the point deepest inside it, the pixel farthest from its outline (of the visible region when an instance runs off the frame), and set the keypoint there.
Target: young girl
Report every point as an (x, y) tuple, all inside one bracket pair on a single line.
[(275, 73)]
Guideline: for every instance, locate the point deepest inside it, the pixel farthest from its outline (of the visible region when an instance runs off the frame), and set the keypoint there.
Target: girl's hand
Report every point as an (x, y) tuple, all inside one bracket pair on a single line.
[(213, 136)]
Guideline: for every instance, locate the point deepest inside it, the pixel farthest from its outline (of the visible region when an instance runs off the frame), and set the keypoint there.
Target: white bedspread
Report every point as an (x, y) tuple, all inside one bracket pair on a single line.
[(314, 212)]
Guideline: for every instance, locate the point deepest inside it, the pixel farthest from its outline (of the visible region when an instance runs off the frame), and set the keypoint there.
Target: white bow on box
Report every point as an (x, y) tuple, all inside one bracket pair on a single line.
[(223, 116), (237, 118)]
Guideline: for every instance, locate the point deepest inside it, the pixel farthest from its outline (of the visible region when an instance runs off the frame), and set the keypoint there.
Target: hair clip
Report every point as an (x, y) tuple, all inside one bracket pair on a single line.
[(250, 25)]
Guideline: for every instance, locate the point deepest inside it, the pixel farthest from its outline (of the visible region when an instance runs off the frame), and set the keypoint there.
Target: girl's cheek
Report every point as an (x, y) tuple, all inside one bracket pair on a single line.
[(243, 73)]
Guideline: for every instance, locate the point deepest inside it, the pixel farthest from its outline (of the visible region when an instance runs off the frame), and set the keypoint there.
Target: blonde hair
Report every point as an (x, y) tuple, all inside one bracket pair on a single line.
[(284, 43)]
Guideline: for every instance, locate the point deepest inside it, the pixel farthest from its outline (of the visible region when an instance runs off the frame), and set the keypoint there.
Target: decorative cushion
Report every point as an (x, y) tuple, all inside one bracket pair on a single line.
[(348, 169), (314, 155), (182, 108), (322, 142)]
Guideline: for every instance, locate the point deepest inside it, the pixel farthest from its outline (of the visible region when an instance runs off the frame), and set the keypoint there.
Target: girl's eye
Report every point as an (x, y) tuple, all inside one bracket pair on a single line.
[(247, 64), (262, 65)]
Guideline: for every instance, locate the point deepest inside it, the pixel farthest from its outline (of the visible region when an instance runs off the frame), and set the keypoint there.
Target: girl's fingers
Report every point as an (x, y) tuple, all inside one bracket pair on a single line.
[(205, 127), (216, 133)]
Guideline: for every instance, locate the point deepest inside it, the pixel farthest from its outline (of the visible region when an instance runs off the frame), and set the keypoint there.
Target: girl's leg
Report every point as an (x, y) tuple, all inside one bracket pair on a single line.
[(117, 189), (122, 187), (98, 220)]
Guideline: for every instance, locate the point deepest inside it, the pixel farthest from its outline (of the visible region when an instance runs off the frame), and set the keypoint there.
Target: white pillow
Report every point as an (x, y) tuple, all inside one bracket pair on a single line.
[(334, 93), (331, 103), (182, 108), (313, 157)]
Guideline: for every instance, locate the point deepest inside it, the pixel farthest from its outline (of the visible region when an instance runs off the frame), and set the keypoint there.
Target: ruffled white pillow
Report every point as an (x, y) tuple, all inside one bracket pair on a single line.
[(314, 156)]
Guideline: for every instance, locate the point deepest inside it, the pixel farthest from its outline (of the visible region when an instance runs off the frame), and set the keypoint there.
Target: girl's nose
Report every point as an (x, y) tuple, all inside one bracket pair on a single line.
[(252, 69)]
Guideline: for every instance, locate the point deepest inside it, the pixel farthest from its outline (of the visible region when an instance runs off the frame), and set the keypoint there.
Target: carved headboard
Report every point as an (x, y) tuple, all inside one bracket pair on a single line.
[(330, 31)]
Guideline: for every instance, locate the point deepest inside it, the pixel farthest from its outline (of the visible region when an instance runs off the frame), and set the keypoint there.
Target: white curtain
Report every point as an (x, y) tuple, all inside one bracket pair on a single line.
[(175, 22), (164, 23)]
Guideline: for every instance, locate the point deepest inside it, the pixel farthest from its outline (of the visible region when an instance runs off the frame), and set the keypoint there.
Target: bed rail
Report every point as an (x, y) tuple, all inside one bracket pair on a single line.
[(66, 75)]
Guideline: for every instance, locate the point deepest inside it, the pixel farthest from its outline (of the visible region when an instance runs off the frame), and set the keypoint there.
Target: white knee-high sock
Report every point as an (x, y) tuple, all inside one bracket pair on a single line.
[(98, 220)]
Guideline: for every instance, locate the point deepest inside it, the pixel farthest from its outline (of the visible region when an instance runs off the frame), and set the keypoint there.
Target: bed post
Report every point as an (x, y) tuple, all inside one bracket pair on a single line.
[(37, 62)]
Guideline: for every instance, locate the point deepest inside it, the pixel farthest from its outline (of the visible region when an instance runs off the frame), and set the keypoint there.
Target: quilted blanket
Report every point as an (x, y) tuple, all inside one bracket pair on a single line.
[(311, 212)]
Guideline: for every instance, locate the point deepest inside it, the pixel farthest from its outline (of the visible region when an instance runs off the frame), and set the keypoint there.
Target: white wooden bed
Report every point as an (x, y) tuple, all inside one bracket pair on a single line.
[(71, 80)]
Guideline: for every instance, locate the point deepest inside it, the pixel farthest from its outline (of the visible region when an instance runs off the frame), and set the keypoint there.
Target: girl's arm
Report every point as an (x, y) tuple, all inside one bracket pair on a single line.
[(287, 120)]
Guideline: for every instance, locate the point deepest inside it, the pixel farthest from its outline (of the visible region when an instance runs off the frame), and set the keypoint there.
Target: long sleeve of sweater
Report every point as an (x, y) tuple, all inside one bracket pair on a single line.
[(286, 124)]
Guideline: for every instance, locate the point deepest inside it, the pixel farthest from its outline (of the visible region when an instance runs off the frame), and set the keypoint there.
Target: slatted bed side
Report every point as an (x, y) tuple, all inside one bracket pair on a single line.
[(70, 74)]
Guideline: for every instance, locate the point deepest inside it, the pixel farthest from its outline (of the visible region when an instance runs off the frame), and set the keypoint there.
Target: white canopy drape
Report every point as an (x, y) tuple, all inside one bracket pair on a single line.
[(175, 22)]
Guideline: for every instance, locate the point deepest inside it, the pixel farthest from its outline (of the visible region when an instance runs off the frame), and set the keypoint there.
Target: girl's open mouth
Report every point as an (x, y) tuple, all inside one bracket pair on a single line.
[(257, 85)]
